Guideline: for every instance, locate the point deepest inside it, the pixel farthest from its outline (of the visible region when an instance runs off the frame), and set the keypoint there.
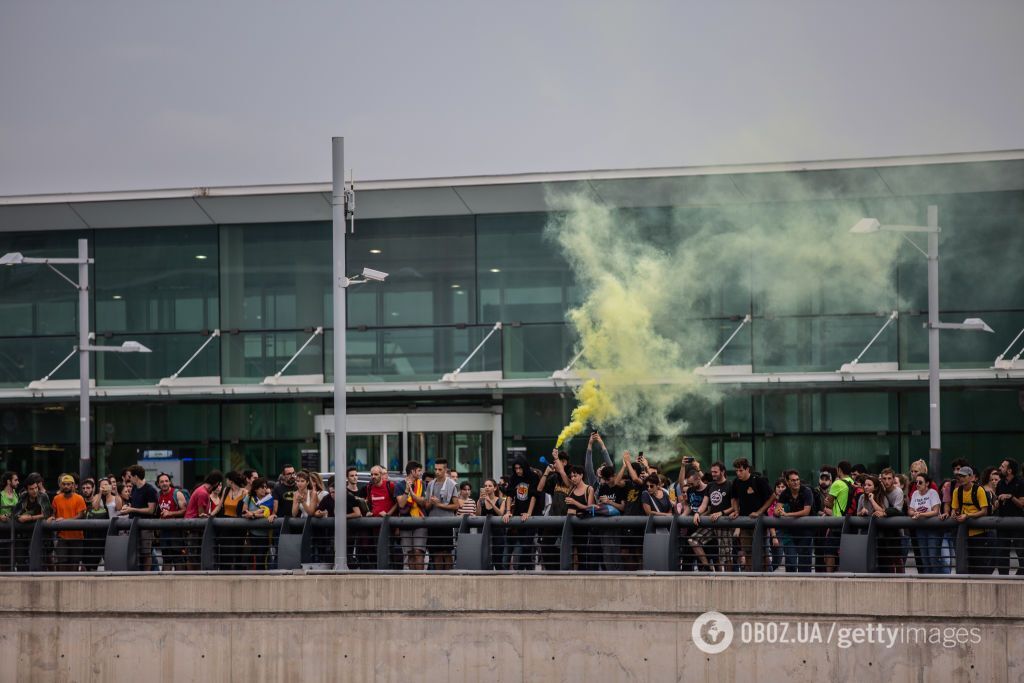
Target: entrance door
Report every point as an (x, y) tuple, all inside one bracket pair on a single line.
[(471, 442)]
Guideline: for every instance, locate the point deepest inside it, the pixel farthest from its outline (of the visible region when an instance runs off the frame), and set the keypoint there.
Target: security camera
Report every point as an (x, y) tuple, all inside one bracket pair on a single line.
[(377, 275)]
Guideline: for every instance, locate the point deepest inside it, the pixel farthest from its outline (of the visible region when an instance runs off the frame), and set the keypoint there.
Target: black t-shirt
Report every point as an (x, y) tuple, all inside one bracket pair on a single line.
[(751, 494), (695, 498), (327, 504), (631, 495), (558, 490), (1016, 489), (143, 496), (790, 503), (284, 495), (614, 493), (656, 504), (719, 496), (521, 492)]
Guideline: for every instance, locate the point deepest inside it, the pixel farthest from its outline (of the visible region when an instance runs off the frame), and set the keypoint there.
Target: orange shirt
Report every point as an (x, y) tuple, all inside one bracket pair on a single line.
[(68, 507)]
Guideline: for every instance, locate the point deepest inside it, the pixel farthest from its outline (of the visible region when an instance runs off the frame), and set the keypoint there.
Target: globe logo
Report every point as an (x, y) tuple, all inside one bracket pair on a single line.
[(712, 632)]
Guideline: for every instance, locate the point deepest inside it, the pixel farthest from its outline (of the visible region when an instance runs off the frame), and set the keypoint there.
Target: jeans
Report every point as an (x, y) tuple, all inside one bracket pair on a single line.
[(927, 551), (520, 549), (1010, 540), (798, 552)]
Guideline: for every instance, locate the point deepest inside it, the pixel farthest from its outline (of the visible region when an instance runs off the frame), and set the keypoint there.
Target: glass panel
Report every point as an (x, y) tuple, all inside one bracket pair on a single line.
[(23, 361), (48, 459), (248, 358), (169, 352), (808, 453), (980, 234), (819, 343), (38, 424), (958, 348), (156, 423), (713, 334), (826, 412), (537, 350), (197, 459), (35, 300), (981, 450), (523, 276), (275, 276), (965, 410), (363, 451), (541, 416), (414, 354), (267, 458), (270, 421), (156, 280), (808, 287), (730, 414), (432, 277)]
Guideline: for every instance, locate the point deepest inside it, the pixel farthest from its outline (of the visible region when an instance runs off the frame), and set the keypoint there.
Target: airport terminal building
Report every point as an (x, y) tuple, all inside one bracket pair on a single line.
[(242, 275)]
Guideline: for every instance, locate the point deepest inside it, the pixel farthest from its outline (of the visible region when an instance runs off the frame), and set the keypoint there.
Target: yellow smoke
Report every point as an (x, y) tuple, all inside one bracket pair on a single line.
[(594, 407)]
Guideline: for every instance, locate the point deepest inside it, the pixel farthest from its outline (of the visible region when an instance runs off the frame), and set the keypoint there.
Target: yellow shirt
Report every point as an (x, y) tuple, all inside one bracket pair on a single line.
[(967, 505)]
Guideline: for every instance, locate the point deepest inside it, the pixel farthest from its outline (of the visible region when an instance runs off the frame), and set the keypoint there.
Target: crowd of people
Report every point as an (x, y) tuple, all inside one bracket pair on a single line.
[(636, 489)]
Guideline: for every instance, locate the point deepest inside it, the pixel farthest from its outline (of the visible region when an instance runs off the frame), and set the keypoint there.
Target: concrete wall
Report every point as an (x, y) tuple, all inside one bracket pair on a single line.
[(499, 627)]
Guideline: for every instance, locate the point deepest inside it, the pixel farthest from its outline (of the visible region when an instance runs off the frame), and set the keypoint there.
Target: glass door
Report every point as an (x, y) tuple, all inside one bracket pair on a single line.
[(469, 453)]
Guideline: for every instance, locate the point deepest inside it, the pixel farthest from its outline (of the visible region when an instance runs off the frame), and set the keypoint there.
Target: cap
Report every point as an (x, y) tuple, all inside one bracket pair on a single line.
[(965, 471), (67, 479)]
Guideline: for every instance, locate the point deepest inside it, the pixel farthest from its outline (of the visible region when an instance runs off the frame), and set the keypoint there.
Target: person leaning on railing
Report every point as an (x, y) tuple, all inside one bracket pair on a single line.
[(753, 495), (970, 501), (259, 504), (925, 504), (795, 502), (33, 506), (8, 502), (1010, 494)]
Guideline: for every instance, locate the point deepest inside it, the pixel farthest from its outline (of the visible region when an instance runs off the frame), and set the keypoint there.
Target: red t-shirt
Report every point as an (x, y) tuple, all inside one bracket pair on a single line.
[(380, 498), (199, 503)]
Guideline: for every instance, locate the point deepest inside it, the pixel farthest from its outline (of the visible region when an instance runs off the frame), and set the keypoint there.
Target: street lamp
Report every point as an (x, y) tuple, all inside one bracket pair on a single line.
[(84, 348), (342, 208), (869, 225)]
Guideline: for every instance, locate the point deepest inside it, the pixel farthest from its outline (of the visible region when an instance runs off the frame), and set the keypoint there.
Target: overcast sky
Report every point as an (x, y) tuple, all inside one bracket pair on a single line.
[(104, 95)]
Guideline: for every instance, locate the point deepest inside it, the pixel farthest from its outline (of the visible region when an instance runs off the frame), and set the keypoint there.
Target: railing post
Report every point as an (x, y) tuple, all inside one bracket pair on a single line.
[(35, 548), (565, 545), (960, 558), (757, 545), (384, 545), (208, 547), (871, 557)]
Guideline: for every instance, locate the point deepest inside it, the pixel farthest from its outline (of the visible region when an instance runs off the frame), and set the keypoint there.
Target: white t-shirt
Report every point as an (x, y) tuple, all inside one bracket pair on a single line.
[(924, 503)]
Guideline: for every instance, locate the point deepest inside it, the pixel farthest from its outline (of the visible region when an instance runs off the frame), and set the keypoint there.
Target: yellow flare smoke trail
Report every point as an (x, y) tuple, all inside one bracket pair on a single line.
[(594, 406)]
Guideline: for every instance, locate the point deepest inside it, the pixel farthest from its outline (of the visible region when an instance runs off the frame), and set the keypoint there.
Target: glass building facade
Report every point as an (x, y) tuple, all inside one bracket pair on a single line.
[(266, 285)]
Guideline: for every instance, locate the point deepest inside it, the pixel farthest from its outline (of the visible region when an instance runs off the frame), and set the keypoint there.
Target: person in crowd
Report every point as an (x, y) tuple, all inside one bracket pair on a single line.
[(581, 503), (68, 505), (124, 493), (589, 474), (250, 477), (842, 501), (522, 499), (720, 503), (492, 503), (379, 494), (87, 490), (326, 508), (171, 503), (794, 502), (316, 482), (284, 491), (142, 503), (412, 502), (1010, 497), (629, 480), (772, 537), (610, 503), (970, 501), (95, 509), (8, 496), (925, 504), (753, 495), (554, 482), (259, 505), (872, 502), (201, 504), (467, 506), (654, 499), (442, 501), (891, 551), (826, 475), (697, 502), (33, 505), (304, 500)]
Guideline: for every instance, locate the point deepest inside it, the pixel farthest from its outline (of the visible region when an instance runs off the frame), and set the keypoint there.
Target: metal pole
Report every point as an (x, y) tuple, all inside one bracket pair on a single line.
[(340, 379), (934, 415), (84, 435)]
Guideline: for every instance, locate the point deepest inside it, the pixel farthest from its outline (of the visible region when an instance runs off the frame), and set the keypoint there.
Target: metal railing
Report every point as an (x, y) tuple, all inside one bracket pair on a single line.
[(893, 545)]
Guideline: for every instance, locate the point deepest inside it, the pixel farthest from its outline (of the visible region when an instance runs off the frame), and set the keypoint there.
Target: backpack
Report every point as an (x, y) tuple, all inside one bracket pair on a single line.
[(816, 501), (851, 499), (974, 496)]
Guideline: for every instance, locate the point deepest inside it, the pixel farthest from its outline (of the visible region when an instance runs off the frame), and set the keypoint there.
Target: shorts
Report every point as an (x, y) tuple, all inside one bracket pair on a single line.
[(830, 543), (414, 539), (700, 535), (440, 540), (145, 542), (745, 538)]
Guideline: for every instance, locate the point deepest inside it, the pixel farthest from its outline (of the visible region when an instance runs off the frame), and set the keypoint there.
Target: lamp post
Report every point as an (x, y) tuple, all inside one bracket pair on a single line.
[(342, 208), (869, 225), (84, 348)]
